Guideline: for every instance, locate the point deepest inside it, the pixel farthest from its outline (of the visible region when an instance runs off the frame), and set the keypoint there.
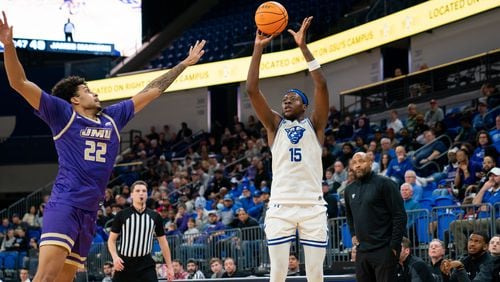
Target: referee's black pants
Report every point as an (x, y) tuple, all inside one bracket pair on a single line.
[(377, 265), (137, 269)]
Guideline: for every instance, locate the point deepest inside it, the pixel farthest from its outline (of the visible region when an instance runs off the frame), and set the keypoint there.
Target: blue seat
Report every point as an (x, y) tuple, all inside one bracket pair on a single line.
[(423, 234), (426, 203), (346, 236), (443, 224), (442, 201)]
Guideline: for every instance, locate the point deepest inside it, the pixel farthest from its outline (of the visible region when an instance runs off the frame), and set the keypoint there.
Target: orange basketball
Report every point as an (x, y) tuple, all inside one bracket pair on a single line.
[(271, 18)]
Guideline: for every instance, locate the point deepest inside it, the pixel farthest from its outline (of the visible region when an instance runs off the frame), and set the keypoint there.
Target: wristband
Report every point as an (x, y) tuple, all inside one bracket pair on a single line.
[(313, 65)]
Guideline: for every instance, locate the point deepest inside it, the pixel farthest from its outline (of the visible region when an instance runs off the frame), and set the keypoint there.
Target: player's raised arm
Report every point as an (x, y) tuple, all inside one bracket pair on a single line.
[(156, 87), (15, 71), (319, 116), (268, 117)]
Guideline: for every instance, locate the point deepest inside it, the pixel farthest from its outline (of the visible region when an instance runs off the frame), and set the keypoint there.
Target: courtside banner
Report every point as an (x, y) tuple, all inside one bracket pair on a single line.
[(411, 21)]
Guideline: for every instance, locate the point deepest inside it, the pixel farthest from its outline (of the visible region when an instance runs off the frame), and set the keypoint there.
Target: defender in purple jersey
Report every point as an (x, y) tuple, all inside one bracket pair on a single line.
[(87, 141)]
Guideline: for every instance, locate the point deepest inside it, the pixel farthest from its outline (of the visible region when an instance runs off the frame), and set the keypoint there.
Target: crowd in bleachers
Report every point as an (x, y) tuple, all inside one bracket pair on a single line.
[(201, 183)]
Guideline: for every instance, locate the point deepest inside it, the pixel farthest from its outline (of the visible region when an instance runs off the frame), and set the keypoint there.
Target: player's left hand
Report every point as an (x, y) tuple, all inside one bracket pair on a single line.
[(5, 30), (195, 53), (300, 35)]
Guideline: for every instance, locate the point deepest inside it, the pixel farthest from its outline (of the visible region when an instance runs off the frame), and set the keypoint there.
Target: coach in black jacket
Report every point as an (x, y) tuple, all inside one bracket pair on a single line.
[(376, 219)]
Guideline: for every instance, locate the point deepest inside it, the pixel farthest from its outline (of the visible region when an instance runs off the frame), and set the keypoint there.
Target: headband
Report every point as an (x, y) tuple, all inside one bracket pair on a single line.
[(303, 96)]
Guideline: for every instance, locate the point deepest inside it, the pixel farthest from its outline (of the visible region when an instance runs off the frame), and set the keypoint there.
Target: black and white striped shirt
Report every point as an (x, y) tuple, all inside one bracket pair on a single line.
[(137, 231)]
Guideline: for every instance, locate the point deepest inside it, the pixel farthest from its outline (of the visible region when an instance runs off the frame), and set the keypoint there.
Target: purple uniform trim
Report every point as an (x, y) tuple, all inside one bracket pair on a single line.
[(69, 227)]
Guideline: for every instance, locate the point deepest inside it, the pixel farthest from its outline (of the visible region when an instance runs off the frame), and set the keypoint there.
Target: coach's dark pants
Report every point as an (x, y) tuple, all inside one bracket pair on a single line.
[(376, 266)]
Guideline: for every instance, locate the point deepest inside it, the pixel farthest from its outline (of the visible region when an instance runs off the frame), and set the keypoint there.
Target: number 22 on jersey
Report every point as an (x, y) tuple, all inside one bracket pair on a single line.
[(95, 151)]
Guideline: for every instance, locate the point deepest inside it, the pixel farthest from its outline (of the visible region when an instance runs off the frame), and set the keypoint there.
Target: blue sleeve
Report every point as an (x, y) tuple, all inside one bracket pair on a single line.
[(121, 112), (54, 111)]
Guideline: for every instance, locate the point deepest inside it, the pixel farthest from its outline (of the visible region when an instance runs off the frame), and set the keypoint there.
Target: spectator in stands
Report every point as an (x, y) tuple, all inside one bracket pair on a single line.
[(215, 184), (258, 208), (8, 241), (467, 133), (495, 133), (331, 201), (488, 164), (293, 265), (193, 272), (398, 72), (181, 218), (346, 129), (482, 120), (389, 133), (418, 131), (231, 269), (362, 128), (491, 93), (191, 233), (395, 123), (4, 227), (327, 159), (332, 146), (410, 204), (375, 165), (466, 172), (216, 268), (488, 271), (262, 173), (411, 121), (107, 270), (483, 141), (489, 194), (340, 173), (431, 152), (385, 144), (184, 133), (228, 210), (434, 115), (445, 178), (399, 165), (411, 178), (412, 268), (333, 117), (179, 273), (385, 160), (245, 200), (347, 152), (477, 255), (436, 254), (30, 218), (24, 275), (17, 222)]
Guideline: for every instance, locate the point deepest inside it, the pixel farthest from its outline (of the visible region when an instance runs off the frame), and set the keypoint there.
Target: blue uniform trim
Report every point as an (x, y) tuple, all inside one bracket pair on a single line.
[(280, 240)]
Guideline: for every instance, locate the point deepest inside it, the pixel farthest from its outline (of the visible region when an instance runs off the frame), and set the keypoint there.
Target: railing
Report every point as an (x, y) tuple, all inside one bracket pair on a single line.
[(451, 224), (437, 82)]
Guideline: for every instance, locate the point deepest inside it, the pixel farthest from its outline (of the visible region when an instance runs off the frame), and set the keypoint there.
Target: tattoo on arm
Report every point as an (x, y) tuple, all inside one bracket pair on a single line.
[(164, 81)]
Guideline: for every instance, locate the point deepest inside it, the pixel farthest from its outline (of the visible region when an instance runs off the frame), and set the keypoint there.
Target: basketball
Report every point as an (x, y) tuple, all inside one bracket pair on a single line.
[(271, 18)]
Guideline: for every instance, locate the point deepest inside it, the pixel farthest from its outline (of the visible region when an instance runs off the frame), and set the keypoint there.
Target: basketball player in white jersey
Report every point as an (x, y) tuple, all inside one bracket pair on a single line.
[(296, 201)]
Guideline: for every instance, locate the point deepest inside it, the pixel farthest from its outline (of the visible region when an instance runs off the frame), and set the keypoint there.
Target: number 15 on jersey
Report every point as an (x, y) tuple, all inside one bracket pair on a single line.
[(295, 154)]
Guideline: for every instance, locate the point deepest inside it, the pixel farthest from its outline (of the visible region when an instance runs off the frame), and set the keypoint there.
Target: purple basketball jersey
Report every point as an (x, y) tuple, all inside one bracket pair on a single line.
[(86, 149)]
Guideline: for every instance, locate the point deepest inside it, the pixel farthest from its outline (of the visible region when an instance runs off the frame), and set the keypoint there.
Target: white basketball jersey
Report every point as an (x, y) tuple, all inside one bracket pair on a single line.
[(297, 166)]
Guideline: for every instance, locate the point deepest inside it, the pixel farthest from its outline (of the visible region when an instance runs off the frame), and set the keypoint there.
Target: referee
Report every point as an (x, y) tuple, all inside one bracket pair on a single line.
[(137, 225)]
